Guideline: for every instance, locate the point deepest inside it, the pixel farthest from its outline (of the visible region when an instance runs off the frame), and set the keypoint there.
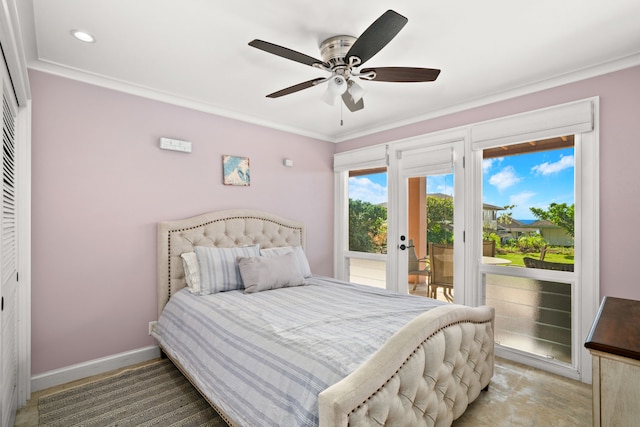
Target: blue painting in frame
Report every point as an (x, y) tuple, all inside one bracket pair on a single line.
[(236, 170)]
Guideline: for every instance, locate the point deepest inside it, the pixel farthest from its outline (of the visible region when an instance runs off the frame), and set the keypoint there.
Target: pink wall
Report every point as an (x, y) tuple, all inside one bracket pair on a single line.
[(619, 94), (100, 185)]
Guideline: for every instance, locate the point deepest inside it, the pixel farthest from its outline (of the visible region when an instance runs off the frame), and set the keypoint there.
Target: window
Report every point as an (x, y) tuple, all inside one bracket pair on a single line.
[(534, 184), (368, 226), (360, 225), (542, 314)]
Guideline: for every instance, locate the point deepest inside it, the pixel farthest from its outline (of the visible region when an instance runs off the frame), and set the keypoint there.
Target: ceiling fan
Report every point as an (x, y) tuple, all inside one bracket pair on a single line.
[(343, 55)]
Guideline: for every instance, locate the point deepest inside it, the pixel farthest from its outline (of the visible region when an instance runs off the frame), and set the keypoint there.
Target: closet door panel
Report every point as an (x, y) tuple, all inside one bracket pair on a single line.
[(8, 258)]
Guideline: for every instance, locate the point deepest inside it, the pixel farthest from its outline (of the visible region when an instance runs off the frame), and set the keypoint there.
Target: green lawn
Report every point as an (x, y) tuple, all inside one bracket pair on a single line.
[(565, 257)]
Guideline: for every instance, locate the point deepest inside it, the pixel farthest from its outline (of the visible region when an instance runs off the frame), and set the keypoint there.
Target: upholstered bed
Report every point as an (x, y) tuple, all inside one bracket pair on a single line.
[(429, 365)]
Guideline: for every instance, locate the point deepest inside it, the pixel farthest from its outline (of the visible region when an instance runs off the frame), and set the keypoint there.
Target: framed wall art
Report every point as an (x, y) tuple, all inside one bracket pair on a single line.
[(235, 170)]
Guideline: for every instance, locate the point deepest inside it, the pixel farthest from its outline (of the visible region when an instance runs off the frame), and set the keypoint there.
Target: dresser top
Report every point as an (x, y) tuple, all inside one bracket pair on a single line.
[(616, 329)]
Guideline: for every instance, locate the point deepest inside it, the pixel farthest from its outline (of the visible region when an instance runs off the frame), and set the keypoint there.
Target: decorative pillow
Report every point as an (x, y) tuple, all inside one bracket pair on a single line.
[(191, 271), (218, 267), (301, 258), (264, 273)]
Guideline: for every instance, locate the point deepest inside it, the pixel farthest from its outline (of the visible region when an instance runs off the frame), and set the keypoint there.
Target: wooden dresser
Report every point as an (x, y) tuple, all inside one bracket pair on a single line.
[(614, 343)]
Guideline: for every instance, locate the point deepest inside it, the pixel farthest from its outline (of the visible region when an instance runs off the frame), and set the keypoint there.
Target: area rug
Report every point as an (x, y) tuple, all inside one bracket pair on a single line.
[(151, 395)]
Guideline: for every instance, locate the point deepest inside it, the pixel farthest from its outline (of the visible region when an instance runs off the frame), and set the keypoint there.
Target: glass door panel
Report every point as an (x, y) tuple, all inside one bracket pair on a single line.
[(426, 219), (431, 225)]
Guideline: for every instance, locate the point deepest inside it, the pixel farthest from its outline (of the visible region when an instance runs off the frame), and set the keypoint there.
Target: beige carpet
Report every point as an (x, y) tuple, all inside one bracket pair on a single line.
[(152, 395)]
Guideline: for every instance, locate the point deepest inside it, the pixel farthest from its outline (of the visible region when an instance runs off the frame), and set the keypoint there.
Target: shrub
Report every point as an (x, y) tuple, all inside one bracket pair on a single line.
[(528, 244)]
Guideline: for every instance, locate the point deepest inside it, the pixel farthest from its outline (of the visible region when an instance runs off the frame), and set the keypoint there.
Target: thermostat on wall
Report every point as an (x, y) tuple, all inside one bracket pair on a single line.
[(175, 145)]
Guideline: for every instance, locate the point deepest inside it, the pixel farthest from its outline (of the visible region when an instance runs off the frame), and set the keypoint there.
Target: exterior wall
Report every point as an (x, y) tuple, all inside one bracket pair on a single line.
[(619, 153), (100, 185), (556, 237)]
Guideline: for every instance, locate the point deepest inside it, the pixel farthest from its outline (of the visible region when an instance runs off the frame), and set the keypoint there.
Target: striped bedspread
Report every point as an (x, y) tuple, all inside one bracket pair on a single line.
[(263, 358)]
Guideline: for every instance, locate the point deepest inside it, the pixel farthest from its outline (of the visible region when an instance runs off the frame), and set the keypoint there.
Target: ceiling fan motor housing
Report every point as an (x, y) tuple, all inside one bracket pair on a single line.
[(334, 49)]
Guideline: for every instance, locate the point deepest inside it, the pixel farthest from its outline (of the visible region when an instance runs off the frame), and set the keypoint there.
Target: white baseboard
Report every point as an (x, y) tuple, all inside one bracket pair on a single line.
[(92, 367)]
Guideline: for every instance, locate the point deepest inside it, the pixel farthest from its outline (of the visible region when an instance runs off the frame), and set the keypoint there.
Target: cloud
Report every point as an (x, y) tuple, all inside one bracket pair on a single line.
[(522, 204), (505, 178), (366, 190), (547, 168), (440, 184), (521, 198), (487, 164)]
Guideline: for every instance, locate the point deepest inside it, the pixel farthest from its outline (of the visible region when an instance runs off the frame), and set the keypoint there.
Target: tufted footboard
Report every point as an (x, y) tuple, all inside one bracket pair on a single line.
[(425, 375)]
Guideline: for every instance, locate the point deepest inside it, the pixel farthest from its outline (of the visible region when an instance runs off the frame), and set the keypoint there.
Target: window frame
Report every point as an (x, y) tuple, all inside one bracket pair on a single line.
[(373, 157), (579, 118)]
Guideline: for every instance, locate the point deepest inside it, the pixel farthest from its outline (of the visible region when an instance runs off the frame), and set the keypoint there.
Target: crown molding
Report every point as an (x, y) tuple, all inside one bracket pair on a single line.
[(149, 93)]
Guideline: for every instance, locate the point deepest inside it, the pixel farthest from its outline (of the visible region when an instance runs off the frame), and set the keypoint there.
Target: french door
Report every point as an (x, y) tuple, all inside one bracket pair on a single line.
[(426, 210), (548, 331)]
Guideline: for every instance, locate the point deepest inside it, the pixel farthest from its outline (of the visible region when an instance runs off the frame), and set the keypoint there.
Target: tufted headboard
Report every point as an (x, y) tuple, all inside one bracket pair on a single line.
[(222, 229)]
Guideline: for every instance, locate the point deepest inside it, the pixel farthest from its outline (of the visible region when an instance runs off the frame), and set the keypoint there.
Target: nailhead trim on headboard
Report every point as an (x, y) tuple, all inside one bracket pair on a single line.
[(283, 232)]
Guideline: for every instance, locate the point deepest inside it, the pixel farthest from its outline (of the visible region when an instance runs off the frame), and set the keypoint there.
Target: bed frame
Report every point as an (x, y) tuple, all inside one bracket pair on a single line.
[(426, 374)]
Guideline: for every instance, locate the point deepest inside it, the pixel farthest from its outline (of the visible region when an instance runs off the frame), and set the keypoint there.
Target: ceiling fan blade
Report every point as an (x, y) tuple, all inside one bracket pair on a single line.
[(374, 38), (295, 88), (285, 52), (352, 106), (403, 74)]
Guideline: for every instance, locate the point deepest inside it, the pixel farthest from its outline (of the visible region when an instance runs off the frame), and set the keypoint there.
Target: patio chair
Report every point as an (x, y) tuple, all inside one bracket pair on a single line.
[(488, 248), (441, 260), (414, 266), (547, 265)]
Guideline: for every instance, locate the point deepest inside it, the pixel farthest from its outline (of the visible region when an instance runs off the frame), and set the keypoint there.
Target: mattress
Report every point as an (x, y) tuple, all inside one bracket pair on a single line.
[(263, 358)]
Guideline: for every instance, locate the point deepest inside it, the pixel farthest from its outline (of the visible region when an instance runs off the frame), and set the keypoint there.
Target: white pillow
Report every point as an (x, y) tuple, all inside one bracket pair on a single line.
[(301, 258), (218, 267), (191, 271), (265, 273)]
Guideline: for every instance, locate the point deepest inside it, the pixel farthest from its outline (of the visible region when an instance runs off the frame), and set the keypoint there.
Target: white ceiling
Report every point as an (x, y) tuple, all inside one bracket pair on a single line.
[(195, 53)]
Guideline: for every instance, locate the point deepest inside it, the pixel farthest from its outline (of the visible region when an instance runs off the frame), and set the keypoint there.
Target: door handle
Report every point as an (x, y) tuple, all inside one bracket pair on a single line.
[(402, 246)]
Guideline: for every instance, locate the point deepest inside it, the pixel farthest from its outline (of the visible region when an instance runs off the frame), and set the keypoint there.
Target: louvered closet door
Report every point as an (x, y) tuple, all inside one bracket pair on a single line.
[(8, 257)]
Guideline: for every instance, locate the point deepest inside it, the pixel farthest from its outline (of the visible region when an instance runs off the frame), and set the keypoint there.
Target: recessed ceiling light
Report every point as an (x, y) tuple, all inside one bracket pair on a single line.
[(83, 36)]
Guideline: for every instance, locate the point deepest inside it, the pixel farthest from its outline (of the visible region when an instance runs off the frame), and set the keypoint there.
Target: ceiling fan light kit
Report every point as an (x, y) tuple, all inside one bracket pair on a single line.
[(341, 57), (356, 91), (336, 86)]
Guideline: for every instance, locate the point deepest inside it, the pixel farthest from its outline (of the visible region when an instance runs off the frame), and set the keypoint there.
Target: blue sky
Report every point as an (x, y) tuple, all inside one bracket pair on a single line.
[(526, 180)]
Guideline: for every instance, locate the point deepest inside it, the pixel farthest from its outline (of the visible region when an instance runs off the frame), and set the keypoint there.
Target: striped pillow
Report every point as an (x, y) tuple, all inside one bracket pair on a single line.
[(219, 270), (191, 271), (301, 258)]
